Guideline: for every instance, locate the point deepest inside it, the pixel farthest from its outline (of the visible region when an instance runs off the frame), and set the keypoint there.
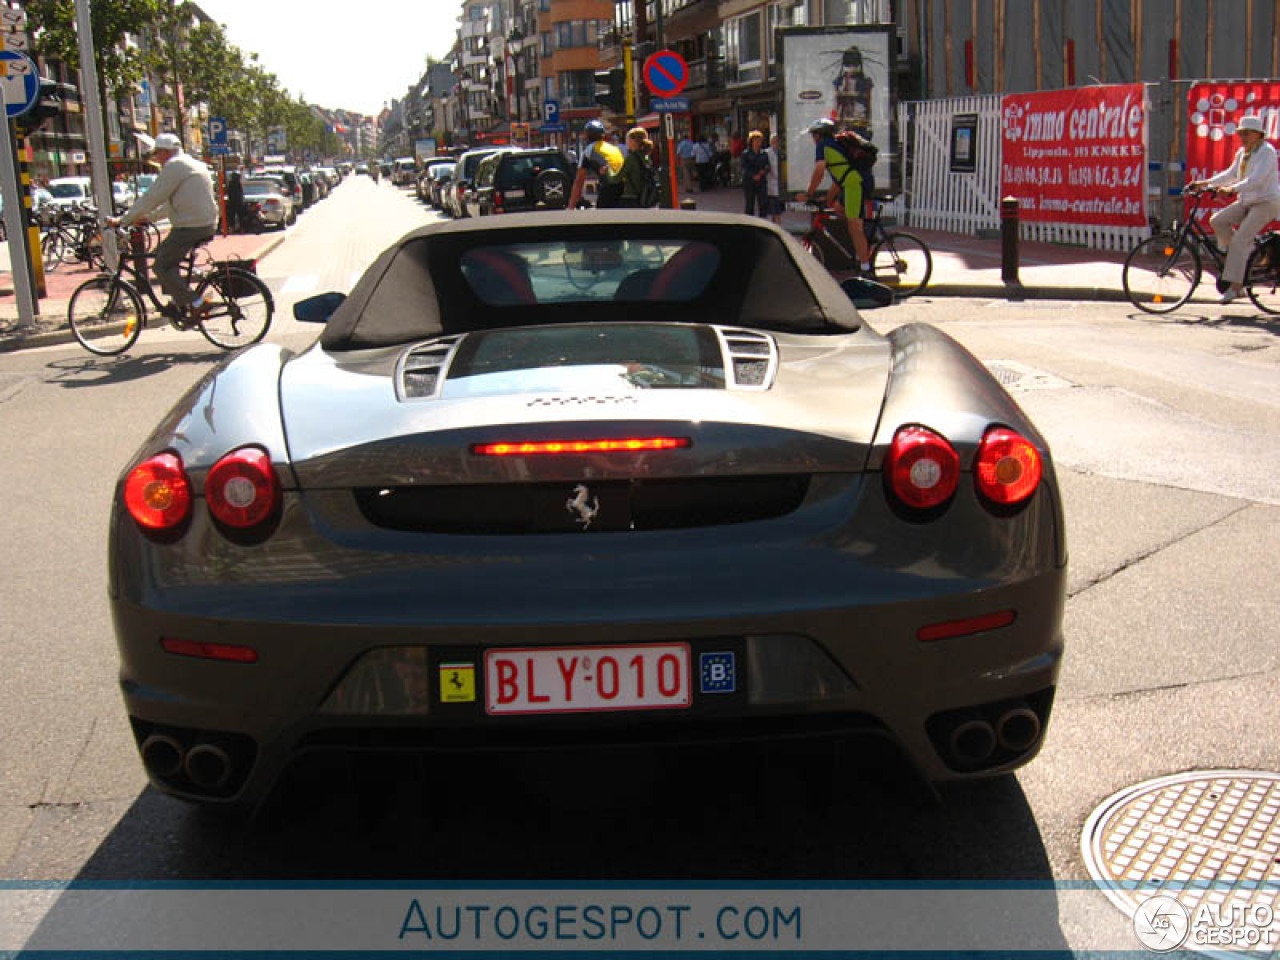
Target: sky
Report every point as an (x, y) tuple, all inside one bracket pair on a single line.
[(357, 55)]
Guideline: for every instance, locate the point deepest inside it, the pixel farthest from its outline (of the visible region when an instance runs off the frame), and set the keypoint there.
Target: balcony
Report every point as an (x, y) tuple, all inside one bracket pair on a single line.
[(706, 77), (475, 59), (475, 28)]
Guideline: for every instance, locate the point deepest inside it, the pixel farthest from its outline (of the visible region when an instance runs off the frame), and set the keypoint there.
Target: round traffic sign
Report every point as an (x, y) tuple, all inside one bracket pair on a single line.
[(20, 81), (665, 73)]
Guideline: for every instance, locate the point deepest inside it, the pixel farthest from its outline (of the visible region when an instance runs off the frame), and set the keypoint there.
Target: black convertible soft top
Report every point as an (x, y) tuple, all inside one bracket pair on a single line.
[(416, 289)]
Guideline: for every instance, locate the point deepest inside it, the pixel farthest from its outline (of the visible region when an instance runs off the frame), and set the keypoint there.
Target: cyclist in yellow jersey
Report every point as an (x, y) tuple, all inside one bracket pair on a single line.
[(831, 159), (603, 159)]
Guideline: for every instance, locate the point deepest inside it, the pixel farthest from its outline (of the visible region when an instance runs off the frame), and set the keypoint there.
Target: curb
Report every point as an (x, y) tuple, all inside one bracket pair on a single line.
[(12, 342), (999, 291)]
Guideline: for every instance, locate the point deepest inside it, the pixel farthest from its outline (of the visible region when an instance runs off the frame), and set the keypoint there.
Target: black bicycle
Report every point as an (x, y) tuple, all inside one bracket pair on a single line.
[(900, 261), (107, 312), (1162, 273)]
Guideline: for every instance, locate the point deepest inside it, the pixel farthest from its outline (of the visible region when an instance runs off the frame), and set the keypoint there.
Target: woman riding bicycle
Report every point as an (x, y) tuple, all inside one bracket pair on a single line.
[(1253, 179)]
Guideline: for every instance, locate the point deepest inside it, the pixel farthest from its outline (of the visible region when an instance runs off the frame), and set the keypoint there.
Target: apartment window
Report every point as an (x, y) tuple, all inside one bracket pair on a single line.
[(576, 33), (788, 13), (857, 11), (577, 89), (742, 57), (544, 6), (550, 89), (546, 43)]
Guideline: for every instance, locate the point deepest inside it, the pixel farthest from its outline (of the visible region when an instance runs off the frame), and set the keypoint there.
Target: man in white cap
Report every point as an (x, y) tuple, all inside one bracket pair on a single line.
[(1254, 181), (185, 188)]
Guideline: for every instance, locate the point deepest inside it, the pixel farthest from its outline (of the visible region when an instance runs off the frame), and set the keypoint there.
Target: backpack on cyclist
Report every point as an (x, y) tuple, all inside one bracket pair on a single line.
[(858, 150)]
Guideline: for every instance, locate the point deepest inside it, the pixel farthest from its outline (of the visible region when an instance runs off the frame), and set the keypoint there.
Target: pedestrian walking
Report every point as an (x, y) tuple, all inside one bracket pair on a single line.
[(684, 156), (755, 173), (1253, 180), (774, 179), (639, 182), (235, 202), (702, 161)]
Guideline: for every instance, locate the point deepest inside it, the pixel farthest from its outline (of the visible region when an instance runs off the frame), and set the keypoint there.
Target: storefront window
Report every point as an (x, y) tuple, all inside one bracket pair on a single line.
[(577, 89)]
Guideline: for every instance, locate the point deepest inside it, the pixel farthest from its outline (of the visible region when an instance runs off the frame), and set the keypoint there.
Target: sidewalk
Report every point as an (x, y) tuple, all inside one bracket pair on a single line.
[(966, 266), (50, 326)]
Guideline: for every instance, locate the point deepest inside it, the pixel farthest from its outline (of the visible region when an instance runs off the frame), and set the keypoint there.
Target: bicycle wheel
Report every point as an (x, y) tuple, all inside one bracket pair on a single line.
[(902, 263), (1160, 275), (1262, 281), (240, 308), (807, 241), (106, 315), (52, 246)]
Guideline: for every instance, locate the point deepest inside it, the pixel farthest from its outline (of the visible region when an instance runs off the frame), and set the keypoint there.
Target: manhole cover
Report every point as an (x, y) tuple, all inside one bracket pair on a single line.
[(1194, 859), (1019, 378)]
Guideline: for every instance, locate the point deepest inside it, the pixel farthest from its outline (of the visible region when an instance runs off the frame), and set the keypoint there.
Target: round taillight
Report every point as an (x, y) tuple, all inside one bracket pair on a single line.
[(241, 489), (157, 493), (1008, 468), (922, 468)]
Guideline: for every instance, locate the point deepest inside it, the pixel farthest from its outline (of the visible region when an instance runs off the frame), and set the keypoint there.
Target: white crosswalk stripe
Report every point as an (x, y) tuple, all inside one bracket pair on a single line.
[(300, 284)]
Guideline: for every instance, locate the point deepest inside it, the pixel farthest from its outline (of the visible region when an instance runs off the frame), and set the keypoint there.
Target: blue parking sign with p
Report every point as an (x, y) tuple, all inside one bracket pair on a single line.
[(217, 131), (717, 672)]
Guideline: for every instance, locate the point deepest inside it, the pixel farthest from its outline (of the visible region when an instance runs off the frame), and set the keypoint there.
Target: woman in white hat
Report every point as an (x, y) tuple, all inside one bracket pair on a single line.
[(1253, 179)]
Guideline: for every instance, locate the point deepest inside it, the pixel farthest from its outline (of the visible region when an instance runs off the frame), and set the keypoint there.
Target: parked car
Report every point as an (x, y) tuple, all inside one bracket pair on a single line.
[(362, 168), (423, 179), (266, 200), (515, 181), (404, 173), (122, 195), (71, 191), (552, 480), (464, 173), (437, 180)]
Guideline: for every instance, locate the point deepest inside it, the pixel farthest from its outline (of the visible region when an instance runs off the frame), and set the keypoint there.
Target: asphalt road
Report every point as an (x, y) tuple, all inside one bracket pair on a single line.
[(1166, 434)]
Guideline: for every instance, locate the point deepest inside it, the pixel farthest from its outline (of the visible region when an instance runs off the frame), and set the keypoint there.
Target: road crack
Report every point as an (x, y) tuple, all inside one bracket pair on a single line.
[(1158, 548)]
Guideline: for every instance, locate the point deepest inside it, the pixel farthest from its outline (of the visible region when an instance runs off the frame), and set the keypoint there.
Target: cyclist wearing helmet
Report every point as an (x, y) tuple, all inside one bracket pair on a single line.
[(603, 159), (831, 159)]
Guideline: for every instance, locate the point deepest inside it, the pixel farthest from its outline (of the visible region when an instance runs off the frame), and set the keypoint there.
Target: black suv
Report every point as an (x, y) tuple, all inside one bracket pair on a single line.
[(514, 181)]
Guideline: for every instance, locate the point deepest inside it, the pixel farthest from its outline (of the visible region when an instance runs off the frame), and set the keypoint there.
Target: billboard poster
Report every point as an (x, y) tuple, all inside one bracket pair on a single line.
[(845, 73), (1213, 110), (424, 149), (1077, 156)]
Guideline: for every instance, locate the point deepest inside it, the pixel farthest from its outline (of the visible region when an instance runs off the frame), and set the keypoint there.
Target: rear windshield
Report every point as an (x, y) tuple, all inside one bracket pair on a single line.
[(258, 188), (64, 191), (520, 170), (672, 270), (469, 165)]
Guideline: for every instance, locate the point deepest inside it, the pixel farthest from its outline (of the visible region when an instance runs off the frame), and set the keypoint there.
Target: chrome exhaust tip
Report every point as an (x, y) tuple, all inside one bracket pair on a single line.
[(207, 766), (972, 742), (1018, 729), (162, 755)]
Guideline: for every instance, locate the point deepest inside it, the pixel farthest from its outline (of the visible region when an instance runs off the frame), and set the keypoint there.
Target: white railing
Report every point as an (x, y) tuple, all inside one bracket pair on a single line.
[(935, 198)]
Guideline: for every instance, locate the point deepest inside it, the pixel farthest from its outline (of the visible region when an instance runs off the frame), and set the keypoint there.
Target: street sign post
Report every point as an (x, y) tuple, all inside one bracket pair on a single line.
[(670, 105), (550, 113), (666, 73), (21, 81), (218, 145)]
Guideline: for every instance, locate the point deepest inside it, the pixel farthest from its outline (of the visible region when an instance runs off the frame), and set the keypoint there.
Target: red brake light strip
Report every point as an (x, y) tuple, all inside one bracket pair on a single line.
[(627, 445)]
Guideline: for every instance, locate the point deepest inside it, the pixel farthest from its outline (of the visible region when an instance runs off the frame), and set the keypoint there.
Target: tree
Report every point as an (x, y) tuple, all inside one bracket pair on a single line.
[(120, 66)]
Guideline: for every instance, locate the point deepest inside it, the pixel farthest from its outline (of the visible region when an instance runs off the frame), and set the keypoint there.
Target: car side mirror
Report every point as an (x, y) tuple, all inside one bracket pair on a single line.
[(866, 294), (318, 309)]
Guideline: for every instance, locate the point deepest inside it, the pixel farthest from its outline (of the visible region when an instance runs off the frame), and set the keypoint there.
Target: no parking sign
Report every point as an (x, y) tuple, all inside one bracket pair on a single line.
[(665, 73)]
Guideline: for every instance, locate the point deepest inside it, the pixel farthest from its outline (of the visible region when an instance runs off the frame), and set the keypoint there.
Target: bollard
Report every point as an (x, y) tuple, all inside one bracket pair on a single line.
[(1009, 241)]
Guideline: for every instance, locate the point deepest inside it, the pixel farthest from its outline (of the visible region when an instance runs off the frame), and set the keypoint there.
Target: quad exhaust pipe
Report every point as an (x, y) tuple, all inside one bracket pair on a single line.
[(162, 755), (974, 740), (207, 766), (1018, 728)]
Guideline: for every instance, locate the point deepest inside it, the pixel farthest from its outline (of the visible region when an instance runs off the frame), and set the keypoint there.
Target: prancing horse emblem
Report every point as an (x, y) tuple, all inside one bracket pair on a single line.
[(583, 505)]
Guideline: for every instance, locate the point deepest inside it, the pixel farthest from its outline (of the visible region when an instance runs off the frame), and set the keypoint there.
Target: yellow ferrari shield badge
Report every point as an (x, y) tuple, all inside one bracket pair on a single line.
[(457, 683)]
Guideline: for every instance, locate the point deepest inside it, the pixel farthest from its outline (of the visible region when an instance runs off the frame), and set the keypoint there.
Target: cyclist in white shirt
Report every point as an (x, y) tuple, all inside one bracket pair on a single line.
[(1255, 182)]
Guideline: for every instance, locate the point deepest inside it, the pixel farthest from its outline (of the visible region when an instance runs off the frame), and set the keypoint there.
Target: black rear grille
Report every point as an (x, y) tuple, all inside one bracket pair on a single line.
[(602, 507)]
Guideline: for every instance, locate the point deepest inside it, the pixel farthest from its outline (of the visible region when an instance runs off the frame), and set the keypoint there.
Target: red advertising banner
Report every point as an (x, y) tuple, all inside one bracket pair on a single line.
[(1077, 156), (1213, 110)]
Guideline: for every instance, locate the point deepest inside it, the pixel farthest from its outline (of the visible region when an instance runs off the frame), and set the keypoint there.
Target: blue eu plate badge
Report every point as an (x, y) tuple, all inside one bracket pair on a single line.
[(717, 672)]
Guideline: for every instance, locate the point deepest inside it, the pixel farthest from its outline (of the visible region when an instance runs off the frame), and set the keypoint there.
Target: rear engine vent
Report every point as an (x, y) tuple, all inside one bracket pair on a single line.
[(423, 368), (752, 357), (613, 506)]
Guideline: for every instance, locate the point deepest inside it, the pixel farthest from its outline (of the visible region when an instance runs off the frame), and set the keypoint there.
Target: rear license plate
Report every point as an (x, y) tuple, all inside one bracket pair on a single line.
[(585, 679), (515, 193)]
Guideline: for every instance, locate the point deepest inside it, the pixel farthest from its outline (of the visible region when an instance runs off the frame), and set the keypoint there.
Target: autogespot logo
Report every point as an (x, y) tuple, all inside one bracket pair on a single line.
[(1161, 924)]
